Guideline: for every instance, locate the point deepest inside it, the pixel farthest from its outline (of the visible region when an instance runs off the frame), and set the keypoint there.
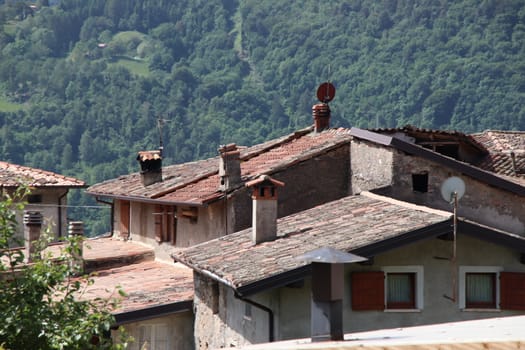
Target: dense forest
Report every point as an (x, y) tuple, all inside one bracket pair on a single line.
[(85, 84)]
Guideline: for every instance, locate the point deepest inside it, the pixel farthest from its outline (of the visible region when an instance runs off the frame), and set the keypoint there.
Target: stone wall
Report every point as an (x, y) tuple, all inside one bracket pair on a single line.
[(390, 171), (482, 203), (222, 320), (371, 166)]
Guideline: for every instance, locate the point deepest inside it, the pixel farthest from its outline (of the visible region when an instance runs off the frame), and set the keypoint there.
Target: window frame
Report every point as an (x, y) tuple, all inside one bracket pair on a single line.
[(463, 271), (418, 286), (154, 332)]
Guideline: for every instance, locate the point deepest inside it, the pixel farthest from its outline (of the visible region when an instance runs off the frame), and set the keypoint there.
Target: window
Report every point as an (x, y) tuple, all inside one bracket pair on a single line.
[(165, 224), (420, 182), (400, 288), (480, 290), (34, 198), (394, 288), (153, 337), (479, 287), (403, 287)]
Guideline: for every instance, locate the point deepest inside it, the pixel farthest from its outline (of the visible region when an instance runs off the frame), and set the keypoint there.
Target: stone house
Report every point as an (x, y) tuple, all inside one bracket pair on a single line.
[(249, 291), (402, 169), (411, 169), (200, 213), (48, 194), (186, 204)]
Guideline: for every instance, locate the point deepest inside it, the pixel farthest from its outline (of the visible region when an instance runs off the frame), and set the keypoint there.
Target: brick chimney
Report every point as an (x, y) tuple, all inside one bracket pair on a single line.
[(321, 114), (264, 212), (150, 167), (32, 227), (229, 167)]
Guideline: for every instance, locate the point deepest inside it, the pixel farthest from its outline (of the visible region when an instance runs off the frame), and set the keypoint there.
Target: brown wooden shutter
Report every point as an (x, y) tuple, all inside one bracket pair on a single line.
[(512, 290), (124, 218), (368, 290), (158, 222)]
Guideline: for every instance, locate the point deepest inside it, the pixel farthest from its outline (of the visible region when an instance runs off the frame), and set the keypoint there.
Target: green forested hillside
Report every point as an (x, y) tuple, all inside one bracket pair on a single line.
[(83, 82)]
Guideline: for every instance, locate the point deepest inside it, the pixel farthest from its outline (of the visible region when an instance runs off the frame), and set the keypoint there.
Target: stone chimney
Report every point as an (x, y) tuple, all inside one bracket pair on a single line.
[(32, 227), (76, 228), (264, 212), (150, 167), (229, 167), (321, 114)]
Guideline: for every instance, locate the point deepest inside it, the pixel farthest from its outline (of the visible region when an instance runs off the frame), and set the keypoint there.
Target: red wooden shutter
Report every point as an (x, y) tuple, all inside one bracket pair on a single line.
[(368, 290), (512, 290)]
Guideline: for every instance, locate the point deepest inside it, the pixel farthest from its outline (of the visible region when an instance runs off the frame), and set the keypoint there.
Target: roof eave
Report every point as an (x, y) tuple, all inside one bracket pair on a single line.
[(152, 312), (290, 276), (146, 200)]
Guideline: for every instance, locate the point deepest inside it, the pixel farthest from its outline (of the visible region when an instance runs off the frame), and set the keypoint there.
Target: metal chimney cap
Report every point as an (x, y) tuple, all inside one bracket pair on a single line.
[(329, 255)]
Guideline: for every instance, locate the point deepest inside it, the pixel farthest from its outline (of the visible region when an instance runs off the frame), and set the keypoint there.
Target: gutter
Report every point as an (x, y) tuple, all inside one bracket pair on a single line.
[(271, 336), (152, 312), (60, 233), (146, 200), (213, 276)]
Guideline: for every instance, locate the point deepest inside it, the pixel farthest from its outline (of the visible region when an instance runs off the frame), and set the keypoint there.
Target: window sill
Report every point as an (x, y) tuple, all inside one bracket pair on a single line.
[(481, 310), (402, 310)]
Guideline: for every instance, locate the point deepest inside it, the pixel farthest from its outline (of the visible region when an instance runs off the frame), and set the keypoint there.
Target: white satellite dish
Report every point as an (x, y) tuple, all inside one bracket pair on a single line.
[(452, 190), (452, 185)]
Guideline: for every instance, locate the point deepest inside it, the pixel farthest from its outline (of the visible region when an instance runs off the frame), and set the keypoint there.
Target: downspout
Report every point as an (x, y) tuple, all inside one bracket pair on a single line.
[(271, 337), (60, 213), (112, 204)]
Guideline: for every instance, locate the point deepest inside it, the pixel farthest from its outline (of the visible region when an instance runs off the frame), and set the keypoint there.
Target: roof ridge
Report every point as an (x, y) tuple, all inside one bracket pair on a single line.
[(405, 204), (273, 144), (14, 167)]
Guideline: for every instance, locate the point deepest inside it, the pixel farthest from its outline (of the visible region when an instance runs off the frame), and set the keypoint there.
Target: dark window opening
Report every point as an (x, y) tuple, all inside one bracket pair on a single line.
[(449, 150), (420, 182), (247, 311), (34, 198), (215, 297)]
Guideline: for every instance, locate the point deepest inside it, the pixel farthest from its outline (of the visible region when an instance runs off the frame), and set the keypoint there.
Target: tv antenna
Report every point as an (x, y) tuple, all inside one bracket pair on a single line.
[(452, 190), (160, 125)]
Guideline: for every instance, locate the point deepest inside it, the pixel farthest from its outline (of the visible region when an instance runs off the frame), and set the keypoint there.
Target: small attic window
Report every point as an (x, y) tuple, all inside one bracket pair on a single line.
[(420, 182), (34, 198)]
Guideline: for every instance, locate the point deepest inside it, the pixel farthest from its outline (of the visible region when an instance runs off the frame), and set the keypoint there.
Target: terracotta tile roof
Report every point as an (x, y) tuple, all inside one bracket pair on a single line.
[(198, 182), (506, 153), (12, 175), (347, 224), (147, 284)]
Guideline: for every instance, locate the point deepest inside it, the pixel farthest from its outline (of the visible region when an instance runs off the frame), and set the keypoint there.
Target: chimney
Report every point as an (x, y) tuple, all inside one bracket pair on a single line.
[(264, 212), (32, 227), (328, 291), (321, 111), (321, 114), (229, 167), (76, 228), (150, 167)]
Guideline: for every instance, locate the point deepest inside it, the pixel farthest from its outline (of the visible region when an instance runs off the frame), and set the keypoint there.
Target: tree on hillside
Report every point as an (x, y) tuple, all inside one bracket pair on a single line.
[(40, 301)]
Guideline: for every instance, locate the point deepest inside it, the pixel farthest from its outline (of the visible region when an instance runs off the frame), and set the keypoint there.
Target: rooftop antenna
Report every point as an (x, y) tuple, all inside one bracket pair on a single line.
[(452, 190), (160, 124)]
